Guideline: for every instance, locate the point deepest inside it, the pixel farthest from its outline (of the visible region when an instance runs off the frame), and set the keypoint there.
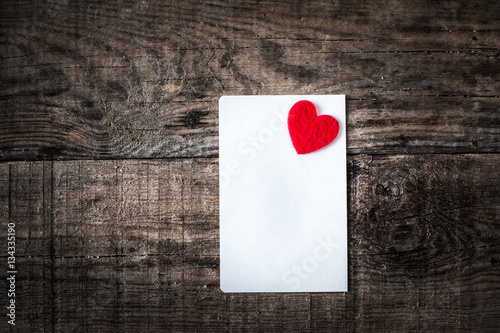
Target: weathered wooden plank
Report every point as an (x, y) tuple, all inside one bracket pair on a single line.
[(25, 199), (124, 248), (94, 80), (425, 233)]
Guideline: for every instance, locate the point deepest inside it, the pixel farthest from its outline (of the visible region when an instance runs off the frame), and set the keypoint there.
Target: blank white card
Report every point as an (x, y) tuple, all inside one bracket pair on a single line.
[(283, 216)]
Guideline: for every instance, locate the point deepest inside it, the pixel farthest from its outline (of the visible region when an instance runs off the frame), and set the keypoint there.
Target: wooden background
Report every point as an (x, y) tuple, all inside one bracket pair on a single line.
[(109, 145)]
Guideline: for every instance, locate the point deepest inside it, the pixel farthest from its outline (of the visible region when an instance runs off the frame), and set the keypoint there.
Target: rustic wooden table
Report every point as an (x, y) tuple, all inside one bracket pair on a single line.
[(109, 169)]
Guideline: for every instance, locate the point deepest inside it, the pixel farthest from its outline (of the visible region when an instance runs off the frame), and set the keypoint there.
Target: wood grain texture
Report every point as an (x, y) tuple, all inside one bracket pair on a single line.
[(142, 79), (117, 227), (132, 245)]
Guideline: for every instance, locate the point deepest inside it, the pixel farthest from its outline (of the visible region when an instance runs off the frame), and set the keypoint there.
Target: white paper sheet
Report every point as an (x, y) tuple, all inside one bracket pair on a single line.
[(283, 216)]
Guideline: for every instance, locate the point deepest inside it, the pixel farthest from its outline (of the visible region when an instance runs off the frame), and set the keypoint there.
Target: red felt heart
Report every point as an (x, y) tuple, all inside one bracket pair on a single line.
[(308, 131)]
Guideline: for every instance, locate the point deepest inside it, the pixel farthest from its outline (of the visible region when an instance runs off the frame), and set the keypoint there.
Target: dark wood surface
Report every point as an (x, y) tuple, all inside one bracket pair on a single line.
[(109, 145)]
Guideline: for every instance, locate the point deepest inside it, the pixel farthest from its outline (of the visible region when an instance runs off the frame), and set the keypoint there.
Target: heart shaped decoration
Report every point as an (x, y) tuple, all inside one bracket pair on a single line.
[(308, 131)]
